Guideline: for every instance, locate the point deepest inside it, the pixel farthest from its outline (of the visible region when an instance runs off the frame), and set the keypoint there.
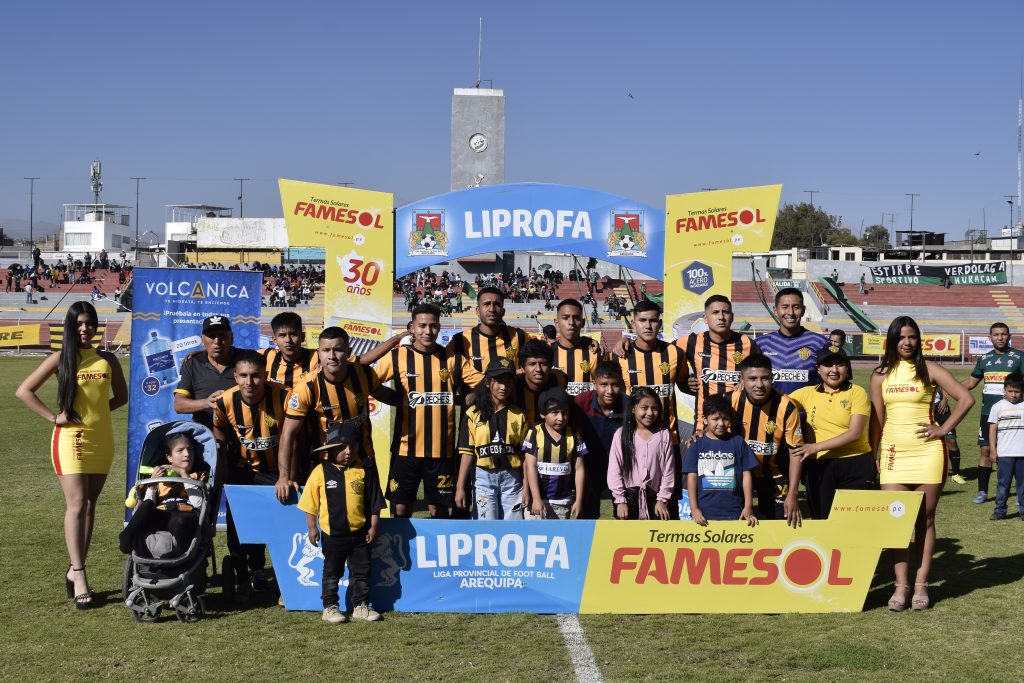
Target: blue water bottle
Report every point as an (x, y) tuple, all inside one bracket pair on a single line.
[(160, 359)]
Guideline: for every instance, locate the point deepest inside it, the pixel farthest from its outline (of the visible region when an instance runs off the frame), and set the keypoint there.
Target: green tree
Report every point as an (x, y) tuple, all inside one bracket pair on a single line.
[(805, 226), (876, 236)]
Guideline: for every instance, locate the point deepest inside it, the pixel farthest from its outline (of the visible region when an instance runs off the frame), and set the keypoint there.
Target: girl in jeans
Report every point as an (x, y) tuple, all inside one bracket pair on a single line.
[(491, 438)]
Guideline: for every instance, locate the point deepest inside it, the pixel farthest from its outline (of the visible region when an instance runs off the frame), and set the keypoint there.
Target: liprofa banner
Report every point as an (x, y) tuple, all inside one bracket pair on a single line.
[(992, 273), (424, 565), (167, 325)]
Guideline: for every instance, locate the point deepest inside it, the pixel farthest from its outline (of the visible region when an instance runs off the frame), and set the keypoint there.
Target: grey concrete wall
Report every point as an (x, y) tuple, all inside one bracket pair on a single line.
[(478, 111)]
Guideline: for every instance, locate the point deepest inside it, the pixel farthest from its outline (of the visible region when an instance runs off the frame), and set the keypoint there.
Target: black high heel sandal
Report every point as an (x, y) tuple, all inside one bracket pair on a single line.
[(82, 600), (70, 585)]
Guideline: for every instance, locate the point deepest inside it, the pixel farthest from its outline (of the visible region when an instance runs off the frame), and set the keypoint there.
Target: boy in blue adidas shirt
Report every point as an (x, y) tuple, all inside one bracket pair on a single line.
[(718, 468)]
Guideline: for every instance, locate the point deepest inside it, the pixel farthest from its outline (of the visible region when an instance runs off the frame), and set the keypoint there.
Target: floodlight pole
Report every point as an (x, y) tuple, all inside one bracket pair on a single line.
[(31, 208), (911, 245), (137, 179), (241, 196)]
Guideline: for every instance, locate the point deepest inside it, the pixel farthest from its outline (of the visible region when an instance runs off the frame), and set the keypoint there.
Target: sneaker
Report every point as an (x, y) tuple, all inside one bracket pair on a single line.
[(996, 516), (980, 498), (958, 479), (365, 613), (333, 615)]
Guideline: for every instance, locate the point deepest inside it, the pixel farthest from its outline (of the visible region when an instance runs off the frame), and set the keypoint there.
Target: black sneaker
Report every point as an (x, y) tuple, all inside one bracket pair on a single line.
[(996, 516)]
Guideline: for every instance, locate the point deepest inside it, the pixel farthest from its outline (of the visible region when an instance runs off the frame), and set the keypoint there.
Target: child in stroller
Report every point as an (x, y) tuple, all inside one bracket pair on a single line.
[(166, 507), (169, 538)]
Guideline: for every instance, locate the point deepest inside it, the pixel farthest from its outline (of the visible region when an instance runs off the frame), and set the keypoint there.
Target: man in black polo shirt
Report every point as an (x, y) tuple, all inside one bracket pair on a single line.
[(207, 374)]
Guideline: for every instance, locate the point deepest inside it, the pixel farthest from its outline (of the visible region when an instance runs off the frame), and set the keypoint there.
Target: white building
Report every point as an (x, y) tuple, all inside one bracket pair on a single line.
[(182, 220), (92, 227)]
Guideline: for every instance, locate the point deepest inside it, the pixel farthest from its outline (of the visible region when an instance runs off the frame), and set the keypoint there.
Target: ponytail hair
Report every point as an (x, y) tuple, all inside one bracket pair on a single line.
[(629, 426), (67, 365)]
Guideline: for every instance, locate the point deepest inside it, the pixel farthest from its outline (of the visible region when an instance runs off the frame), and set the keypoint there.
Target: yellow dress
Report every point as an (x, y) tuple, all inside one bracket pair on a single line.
[(87, 448), (906, 458)]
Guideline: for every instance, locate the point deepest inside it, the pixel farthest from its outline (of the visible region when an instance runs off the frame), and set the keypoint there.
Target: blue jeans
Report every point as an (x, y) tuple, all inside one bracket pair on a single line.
[(498, 494), (1009, 468)]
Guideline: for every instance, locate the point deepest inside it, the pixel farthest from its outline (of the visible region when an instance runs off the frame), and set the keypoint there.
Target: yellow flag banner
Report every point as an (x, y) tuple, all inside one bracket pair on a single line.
[(702, 232), (19, 335), (357, 229)]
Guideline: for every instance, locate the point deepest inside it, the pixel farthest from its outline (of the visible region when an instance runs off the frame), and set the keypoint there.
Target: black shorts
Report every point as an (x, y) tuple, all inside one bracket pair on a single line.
[(437, 475), (983, 431)]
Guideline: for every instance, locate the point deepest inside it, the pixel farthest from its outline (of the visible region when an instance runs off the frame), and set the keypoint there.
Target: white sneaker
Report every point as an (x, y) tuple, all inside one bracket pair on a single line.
[(364, 612), (334, 615)]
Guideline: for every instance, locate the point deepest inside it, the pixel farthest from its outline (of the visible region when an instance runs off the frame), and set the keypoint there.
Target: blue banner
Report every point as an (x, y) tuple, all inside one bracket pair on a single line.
[(423, 565), (521, 216), (169, 306)]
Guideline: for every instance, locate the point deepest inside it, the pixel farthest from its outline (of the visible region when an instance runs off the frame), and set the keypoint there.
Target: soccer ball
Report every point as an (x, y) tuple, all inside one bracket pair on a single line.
[(428, 242), (626, 243)]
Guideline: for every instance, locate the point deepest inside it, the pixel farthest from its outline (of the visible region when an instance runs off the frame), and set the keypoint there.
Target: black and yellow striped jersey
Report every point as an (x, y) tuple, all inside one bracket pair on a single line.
[(257, 427), (659, 369), (770, 429), (556, 461), (714, 363), (317, 399), (525, 398), (426, 383), (343, 499), (576, 362), (476, 350), (496, 442), (281, 371)]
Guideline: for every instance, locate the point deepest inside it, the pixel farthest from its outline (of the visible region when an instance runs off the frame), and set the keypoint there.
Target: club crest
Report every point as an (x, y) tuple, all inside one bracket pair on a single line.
[(626, 235), (428, 236)]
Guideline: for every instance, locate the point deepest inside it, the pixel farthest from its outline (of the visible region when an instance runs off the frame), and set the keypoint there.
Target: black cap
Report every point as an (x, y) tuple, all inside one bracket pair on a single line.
[(832, 351), (339, 433), (555, 394), (498, 366), (216, 321)]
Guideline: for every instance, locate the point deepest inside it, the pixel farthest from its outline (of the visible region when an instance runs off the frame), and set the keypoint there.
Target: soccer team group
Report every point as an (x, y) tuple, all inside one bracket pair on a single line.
[(496, 425)]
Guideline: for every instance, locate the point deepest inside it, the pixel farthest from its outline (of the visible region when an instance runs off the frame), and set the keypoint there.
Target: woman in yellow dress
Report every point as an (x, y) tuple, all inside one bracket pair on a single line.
[(82, 446), (911, 446)]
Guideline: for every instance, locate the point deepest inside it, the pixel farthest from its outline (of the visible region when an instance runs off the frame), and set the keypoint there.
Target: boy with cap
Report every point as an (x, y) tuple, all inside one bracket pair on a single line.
[(837, 413), (344, 496), (554, 461)]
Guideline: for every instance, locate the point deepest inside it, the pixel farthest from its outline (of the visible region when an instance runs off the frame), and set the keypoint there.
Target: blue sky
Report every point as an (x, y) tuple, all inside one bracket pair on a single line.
[(861, 101)]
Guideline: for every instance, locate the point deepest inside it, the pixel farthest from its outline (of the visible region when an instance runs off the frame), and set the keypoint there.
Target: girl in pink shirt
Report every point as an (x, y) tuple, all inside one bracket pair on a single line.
[(641, 475)]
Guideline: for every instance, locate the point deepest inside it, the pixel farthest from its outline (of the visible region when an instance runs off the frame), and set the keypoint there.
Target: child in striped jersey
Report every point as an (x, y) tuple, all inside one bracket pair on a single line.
[(554, 461)]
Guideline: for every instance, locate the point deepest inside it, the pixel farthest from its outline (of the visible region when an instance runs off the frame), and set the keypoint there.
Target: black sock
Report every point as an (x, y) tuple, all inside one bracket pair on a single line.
[(954, 462), (984, 474)]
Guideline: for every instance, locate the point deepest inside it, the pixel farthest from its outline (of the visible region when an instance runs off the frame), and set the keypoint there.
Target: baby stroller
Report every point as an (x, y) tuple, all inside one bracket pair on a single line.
[(160, 567)]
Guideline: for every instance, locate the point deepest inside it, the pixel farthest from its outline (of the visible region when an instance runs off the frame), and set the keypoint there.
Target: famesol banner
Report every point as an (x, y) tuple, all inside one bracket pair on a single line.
[(991, 273), (702, 231), (931, 344), (640, 567)]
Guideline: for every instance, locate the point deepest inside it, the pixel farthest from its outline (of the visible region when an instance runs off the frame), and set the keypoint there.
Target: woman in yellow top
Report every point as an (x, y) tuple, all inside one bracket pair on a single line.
[(912, 447), (83, 437), (836, 452)]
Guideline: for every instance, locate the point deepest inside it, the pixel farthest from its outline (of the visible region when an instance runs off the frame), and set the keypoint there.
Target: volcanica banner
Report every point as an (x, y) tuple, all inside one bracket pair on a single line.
[(990, 273), (702, 231), (424, 565), (519, 216), (169, 306)]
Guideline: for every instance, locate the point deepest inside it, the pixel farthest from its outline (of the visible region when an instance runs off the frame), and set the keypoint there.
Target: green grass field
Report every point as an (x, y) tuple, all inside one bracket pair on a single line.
[(977, 589)]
